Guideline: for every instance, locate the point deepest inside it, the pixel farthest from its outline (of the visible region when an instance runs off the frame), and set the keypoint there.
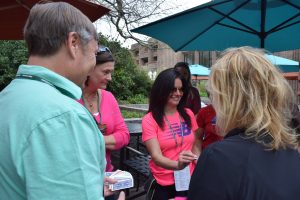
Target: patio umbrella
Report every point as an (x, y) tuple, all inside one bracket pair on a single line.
[(199, 70), (284, 64), (13, 15), (217, 25)]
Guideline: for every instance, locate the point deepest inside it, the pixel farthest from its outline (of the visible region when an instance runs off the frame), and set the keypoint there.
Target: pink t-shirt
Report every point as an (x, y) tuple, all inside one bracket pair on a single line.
[(167, 142), (115, 125)]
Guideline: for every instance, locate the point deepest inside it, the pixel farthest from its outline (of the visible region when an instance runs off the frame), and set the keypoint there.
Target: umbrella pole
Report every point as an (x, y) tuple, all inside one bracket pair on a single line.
[(263, 23), (298, 85)]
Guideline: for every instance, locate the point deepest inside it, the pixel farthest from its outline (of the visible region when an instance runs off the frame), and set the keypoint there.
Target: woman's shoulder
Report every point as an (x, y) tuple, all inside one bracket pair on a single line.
[(189, 111), (106, 94), (148, 116)]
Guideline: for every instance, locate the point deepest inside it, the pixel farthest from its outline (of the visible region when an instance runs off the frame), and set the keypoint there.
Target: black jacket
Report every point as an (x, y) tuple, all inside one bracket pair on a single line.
[(237, 168)]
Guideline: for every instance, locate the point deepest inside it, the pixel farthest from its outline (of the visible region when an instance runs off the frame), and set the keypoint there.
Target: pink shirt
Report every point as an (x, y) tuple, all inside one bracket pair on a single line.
[(115, 125), (167, 142)]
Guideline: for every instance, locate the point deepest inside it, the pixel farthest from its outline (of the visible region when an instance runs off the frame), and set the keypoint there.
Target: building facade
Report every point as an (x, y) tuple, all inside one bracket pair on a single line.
[(158, 56)]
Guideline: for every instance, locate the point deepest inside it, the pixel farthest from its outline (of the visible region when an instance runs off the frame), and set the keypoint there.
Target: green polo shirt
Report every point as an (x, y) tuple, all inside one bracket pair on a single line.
[(50, 146)]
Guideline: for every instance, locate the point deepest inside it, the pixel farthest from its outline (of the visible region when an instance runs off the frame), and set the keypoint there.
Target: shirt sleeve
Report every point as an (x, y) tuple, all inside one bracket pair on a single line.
[(64, 159), (149, 127), (120, 132)]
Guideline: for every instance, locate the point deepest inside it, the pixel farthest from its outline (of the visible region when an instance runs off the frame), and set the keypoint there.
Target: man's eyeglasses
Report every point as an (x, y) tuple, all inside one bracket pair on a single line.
[(103, 49)]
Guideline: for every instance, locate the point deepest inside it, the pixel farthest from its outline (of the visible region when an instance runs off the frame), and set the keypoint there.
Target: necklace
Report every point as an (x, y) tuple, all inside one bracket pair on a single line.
[(173, 132), (91, 105)]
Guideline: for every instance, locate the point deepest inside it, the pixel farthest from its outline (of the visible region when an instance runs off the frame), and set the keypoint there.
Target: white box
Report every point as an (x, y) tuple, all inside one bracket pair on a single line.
[(124, 180)]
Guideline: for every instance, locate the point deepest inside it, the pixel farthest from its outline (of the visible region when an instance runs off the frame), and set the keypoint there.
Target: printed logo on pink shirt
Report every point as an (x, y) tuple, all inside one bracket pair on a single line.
[(177, 130)]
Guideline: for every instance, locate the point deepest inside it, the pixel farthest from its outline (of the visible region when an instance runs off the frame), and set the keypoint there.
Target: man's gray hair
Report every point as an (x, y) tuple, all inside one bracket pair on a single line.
[(49, 24)]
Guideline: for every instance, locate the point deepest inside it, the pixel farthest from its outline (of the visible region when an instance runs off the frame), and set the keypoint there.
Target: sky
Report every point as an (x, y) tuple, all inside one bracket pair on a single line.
[(182, 5)]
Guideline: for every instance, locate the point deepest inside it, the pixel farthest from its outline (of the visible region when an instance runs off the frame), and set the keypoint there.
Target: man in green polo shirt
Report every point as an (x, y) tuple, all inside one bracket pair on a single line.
[(50, 146)]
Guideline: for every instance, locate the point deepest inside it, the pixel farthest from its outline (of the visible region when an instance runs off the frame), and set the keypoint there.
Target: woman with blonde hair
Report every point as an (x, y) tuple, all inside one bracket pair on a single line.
[(257, 158)]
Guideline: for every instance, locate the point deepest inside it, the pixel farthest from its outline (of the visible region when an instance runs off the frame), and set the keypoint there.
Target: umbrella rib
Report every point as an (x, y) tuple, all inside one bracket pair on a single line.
[(240, 29), (211, 25), (280, 26), (262, 35), (283, 27), (291, 4), (251, 30)]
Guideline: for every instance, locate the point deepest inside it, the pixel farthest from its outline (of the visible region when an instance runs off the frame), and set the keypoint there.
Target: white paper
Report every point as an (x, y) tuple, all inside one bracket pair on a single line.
[(182, 179)]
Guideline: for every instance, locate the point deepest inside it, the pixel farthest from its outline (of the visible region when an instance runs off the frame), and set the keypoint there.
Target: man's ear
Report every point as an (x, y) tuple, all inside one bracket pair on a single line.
[(73, 43)]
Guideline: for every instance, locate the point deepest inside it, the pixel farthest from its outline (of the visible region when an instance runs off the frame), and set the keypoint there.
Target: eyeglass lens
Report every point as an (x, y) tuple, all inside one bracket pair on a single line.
[(177, 89)]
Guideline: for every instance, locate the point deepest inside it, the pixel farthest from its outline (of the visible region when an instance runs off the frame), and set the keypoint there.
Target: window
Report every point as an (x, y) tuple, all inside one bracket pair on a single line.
[(205, 58), (155, 58), (155, 47), (144, 61), (189, 57), (136, 53)]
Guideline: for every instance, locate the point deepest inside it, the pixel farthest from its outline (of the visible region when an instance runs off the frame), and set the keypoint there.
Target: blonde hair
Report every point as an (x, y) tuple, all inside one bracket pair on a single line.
[(249, 92)]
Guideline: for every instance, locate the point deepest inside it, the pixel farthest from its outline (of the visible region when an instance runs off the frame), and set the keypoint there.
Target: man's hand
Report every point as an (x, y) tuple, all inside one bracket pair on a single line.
[(107, 181), (108, 192)]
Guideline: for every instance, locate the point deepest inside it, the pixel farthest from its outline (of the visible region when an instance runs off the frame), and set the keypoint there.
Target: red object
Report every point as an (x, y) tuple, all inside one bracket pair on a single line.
[(14, 13), (206, 120), (291, 75), (199, 77)]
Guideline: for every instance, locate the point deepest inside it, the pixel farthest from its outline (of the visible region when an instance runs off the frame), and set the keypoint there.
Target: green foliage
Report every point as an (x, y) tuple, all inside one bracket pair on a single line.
[(136, 99), (12, 54), (201, 88), (132, 114), (129, 82), (128, 79)]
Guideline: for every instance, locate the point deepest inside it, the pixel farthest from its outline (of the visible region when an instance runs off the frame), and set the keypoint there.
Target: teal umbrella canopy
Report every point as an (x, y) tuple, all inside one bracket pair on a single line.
[(284, 64), (199, 70), (217, 25)]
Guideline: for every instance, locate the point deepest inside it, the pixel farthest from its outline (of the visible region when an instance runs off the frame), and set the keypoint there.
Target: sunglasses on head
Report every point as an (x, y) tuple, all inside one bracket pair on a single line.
[(103, 49)]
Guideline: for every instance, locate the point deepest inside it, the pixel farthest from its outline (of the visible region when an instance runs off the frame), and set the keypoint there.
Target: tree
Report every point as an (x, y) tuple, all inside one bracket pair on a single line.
[(12, 54), (128, 14), (128, 79)]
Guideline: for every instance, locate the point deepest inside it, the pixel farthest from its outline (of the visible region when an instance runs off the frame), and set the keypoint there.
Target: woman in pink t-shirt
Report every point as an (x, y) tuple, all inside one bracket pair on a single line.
[(103, 105), (169, 134)]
